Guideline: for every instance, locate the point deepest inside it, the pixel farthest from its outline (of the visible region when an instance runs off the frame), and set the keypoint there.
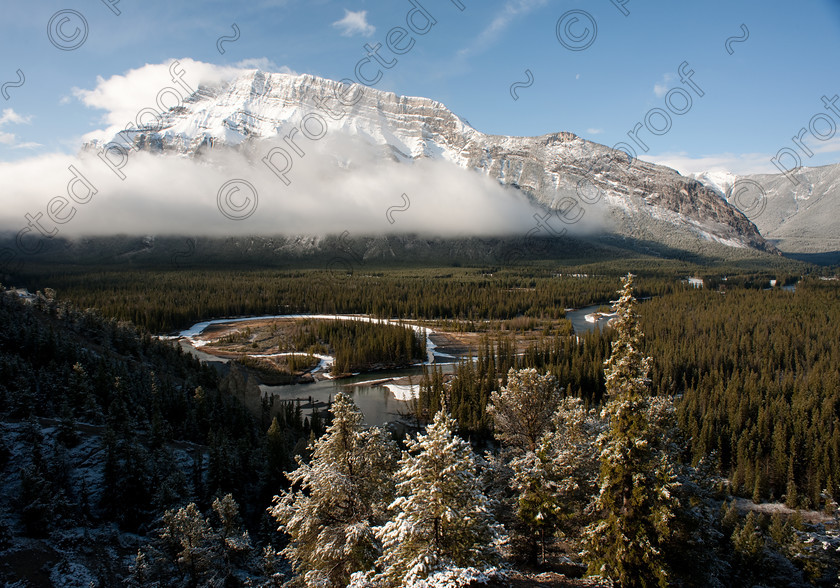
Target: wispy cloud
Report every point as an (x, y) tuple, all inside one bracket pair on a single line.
[(742, 163), (354, 23), (737, 163), (594, 131), (501, 21), (263, 64), (10, 116), (661, 88), (831, 146)]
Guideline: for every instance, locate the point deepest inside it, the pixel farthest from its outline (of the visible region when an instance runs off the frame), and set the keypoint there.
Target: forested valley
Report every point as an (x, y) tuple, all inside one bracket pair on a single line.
[(165, 300), (703, 423), (756, 375)]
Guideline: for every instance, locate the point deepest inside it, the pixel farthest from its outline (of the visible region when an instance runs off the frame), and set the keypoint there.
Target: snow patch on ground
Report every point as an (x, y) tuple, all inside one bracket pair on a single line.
[(325, 364), (403, 392), (456, 577)]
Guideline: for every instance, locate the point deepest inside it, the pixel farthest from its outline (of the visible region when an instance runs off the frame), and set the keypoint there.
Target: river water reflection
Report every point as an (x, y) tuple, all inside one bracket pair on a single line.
[(579, 322), (377, 403)]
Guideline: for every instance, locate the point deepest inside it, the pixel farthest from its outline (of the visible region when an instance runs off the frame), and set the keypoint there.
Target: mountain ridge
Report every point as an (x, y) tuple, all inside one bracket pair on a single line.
[(798, 218), (564, 174)]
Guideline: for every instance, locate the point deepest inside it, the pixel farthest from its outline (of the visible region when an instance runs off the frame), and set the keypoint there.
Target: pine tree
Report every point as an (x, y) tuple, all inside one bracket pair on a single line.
[(552, 485), (189, 552), (278, 460), (191, 532), (781, 532), (442, 514), (635, 480), (343, 494), (522, 415), (791, 494), (523, 410), (235, 543), (570, 449), (68, 433), (748, 543), (538, 503)]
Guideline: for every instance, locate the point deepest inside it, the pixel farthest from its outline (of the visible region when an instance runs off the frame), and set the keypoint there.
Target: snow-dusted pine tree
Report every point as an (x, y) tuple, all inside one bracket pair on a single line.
[(636, 480), (538, 447), (523, 410), (556, 483), (343, 493), (190, 552), (235, 542), (443, 519)]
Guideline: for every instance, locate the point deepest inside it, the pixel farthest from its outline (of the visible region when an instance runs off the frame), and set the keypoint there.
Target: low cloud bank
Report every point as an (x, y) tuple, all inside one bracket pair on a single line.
[(344, 185)]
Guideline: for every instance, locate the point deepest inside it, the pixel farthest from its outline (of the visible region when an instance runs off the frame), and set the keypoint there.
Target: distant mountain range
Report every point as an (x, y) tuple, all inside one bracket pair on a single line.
[(800, 216), (562, 173)]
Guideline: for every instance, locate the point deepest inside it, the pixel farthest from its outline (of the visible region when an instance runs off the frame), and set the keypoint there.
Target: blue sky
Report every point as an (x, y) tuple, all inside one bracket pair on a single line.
[(754, 101)]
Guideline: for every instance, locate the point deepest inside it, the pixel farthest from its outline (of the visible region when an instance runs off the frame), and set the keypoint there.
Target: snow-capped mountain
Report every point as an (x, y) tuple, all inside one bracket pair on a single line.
[(798, 214), (719, 181), (561, 171)]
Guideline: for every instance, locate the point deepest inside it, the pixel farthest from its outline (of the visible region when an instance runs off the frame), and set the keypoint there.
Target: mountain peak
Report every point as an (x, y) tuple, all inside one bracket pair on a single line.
[(556, 170)]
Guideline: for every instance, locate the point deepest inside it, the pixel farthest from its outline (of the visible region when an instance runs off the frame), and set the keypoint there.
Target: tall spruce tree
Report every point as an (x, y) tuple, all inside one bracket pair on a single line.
[(341, 496), (636, 481)]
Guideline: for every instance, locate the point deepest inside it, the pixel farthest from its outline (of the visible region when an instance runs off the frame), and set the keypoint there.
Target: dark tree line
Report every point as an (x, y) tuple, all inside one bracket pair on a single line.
[(161, 301), (358, 345), (759, 376), (576, 362)]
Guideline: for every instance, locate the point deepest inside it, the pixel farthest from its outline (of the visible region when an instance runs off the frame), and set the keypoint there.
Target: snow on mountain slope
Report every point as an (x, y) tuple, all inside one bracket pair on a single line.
[(283, 114), (719, 181), (801, 217)]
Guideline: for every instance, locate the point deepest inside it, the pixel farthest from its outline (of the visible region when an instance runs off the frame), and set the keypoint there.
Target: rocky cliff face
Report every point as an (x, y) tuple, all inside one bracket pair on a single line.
[(560, 171)]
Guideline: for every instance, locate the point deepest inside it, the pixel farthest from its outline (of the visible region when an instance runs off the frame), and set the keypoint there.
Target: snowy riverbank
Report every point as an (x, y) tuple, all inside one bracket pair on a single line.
[(193, 336)]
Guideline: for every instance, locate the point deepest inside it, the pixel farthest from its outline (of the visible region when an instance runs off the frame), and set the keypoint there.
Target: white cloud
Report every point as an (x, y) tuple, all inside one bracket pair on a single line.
[(27, 145), (10, 116), (343, 183), (354, 23), (661, 88), (264, 64), (124, 96), (831, 146), (736, 163), (500, 22), (594, 131)]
